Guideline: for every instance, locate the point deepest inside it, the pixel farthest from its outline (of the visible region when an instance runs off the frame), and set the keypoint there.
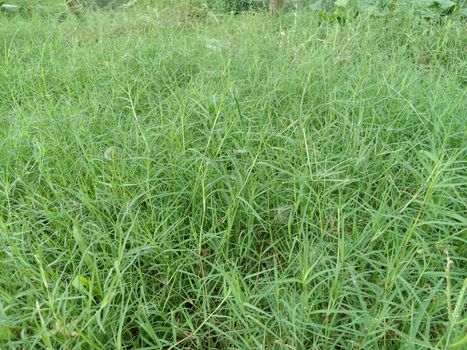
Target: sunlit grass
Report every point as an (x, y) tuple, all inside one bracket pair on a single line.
[(182, 179)]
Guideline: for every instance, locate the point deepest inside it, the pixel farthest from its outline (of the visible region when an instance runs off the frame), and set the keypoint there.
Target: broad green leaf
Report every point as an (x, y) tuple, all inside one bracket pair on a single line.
[(459, 343), (342, 3), (5, 332), (81, 283), (444, 4), (83, 247)]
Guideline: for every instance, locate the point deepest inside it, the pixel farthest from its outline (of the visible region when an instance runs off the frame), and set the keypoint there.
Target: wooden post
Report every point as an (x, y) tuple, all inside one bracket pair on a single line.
[(276, 6)]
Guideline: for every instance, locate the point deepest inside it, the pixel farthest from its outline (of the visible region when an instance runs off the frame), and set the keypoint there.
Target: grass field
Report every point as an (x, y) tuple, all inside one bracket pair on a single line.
[(175, 178)]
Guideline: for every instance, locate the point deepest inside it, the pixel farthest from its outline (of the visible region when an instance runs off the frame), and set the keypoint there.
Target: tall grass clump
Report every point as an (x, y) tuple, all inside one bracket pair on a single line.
[(177, 178)]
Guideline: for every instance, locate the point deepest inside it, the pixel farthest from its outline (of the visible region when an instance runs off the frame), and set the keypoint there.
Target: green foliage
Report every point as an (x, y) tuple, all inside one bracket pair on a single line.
[(238, 6), (172, 177), (424, 8)]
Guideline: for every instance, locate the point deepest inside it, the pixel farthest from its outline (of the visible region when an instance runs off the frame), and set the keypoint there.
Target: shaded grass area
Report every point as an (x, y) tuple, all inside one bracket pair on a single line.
[(181, 179)]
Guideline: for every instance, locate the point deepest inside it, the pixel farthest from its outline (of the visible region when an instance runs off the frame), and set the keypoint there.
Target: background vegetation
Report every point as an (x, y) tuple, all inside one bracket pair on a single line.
[(175, 176)]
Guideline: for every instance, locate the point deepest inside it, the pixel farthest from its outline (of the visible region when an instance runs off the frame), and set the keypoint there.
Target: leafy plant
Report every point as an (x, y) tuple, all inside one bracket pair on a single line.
[(172, 177)]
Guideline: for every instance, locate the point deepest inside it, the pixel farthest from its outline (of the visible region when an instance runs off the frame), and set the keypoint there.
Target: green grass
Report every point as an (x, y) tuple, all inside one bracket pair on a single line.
[(181, 179)]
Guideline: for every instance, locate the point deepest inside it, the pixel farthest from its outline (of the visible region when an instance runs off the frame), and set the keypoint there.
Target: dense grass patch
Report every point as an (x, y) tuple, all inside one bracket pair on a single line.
[(181, 179)]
